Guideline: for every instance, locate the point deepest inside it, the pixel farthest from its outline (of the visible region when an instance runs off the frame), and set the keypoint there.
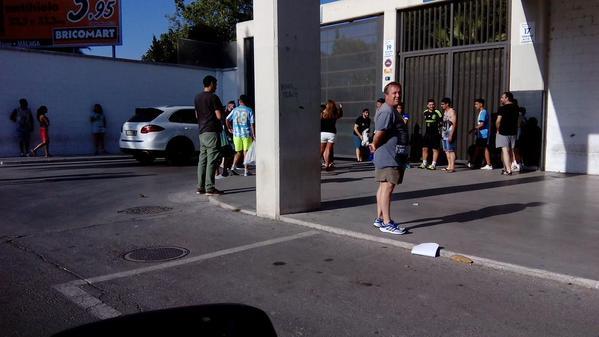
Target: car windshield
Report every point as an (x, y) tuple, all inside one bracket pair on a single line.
[(145, 115)]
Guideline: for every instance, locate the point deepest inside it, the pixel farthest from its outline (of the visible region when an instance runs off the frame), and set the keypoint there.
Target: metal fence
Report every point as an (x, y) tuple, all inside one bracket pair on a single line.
[(477, 74), (454, 49), (452, 24)]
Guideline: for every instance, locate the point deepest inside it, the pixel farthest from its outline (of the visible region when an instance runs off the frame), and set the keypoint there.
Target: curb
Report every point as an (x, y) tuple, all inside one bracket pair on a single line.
[(489, 263), (38, 160)]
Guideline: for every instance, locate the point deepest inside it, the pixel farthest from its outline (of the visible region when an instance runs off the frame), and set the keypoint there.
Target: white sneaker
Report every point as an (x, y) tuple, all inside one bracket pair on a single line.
[(392, 228), (378, 223), (219, 177), (515, 167), (469, 165), (487, 167)]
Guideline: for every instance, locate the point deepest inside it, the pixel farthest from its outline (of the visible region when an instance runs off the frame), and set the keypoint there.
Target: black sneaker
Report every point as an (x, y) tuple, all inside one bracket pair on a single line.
[(200, 191), (214, 191)]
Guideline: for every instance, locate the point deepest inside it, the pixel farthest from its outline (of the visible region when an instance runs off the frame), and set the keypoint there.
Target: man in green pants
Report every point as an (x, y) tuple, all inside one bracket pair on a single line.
[(209, 110)]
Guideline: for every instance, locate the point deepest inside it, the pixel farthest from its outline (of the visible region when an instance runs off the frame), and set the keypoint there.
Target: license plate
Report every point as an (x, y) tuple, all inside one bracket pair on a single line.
[(131, 132)]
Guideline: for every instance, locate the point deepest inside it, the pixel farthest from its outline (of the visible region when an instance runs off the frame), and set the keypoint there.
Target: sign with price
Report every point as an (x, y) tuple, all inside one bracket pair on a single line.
[(60, 23)]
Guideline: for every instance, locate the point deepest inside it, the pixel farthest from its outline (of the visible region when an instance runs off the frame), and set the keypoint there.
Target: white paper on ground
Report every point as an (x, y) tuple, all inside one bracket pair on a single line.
[(426, 249)]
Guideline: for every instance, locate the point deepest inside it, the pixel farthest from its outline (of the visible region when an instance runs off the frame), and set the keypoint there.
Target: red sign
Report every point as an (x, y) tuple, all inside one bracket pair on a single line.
[(60, 23)]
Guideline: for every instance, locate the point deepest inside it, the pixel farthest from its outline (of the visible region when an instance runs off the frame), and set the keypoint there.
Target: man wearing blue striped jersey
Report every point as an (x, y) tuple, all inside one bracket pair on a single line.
[(241, 123)]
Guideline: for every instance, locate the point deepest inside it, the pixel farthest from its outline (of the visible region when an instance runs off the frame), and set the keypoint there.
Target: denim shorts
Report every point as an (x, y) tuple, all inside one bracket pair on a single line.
[(357, 142), (449, 147)]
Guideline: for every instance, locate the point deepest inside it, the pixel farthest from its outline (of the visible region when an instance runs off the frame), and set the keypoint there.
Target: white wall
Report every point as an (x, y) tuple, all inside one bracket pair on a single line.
[(228, 89), (572, 118), (70, 85), (527, 60)]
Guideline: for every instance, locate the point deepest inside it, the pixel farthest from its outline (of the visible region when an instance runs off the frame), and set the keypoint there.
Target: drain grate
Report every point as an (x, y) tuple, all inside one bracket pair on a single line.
[(145, 210), (156, 254)]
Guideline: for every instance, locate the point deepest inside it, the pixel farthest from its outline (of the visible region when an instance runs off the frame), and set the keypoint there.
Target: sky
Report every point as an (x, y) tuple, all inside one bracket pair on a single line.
[(141, 19)]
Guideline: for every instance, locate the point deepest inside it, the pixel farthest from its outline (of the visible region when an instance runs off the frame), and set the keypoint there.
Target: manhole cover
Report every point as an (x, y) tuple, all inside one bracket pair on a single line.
[(155, 254), (145, 210)]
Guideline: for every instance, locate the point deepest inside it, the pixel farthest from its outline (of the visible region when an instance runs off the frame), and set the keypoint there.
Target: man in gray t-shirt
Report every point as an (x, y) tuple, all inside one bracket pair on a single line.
[(390, 148)]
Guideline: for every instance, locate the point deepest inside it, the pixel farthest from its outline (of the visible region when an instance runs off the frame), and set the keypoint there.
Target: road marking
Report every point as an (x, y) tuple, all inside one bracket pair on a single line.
[(94, 306), (489, 263), (89, 303)]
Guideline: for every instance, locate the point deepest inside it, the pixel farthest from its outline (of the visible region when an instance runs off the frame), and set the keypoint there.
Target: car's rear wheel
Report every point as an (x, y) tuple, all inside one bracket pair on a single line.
[(144, 158), (179, 151)]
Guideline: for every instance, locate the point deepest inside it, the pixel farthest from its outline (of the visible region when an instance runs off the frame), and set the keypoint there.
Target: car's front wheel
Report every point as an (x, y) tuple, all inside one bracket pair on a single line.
[(179, 151)]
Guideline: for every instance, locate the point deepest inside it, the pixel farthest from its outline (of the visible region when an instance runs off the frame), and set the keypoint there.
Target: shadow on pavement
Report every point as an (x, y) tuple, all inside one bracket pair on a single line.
[(70, 177), (342, 180), (86, 166), (239, 190), (361, 201), (485, 212)]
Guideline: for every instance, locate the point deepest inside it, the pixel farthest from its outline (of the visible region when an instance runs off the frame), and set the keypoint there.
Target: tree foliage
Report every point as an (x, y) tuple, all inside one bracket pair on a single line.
[(202, 20), (163, 49)]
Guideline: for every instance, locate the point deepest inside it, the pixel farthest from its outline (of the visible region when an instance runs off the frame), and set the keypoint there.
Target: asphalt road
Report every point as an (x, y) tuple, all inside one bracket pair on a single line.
[(61, 223)]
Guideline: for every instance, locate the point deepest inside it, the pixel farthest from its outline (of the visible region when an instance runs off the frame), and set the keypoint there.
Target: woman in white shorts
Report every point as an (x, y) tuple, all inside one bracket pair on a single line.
[(328, 132)]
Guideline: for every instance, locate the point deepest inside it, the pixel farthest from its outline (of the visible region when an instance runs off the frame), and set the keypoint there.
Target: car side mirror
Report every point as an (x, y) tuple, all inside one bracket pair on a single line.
[(211, 320)]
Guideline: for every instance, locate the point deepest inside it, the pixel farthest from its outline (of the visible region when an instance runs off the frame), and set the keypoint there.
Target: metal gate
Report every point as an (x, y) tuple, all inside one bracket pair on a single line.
[(455, 49)]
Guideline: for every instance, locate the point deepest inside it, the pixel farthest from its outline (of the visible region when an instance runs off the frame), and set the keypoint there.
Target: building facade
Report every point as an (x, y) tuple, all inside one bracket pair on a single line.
[(542, 51), (70, 85)]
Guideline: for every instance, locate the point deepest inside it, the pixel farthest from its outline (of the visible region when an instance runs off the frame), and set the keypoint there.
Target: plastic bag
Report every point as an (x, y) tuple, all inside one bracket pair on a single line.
[(250, 156)]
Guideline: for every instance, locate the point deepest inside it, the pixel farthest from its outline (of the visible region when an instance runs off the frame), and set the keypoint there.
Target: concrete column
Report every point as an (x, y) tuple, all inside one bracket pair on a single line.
[(287, 66)]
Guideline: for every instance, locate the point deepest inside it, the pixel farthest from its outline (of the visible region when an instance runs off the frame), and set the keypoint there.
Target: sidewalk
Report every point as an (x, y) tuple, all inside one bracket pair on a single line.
[(535, 220)]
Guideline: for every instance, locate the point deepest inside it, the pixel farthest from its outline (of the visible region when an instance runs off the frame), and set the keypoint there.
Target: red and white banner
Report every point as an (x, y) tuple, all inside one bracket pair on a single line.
[(60, 23)]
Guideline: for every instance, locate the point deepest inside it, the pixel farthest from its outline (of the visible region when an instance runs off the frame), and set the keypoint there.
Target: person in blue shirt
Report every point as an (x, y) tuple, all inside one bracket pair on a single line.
[(481, 131), (241, 123), (404, 114)]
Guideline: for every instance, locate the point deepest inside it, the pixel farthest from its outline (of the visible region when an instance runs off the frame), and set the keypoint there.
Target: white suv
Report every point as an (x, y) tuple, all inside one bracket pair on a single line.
[(166, 131)]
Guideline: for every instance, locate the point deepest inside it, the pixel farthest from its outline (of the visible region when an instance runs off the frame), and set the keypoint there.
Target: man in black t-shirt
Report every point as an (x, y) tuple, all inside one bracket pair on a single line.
[(507, 129), (209, 111), (432, 136), (362, 124)]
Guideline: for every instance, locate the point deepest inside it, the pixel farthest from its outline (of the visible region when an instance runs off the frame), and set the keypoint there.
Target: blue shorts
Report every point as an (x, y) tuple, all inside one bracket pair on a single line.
[(357, 142), (449, 147)]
